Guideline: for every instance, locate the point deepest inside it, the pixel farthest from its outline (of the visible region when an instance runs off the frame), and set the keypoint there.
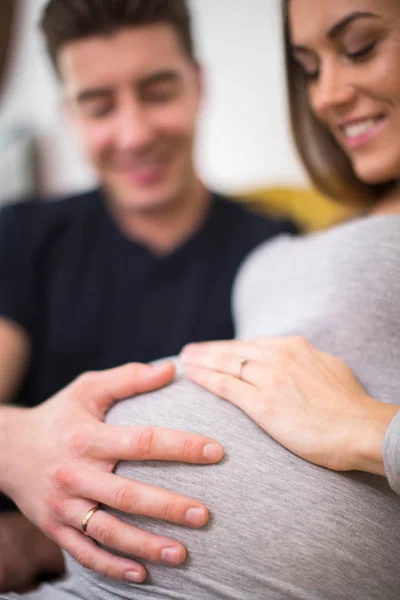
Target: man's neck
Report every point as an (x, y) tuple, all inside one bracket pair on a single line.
[(165, 229)]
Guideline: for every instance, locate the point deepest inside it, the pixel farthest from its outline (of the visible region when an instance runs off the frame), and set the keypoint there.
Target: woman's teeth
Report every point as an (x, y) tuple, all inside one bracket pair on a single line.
[(357, 129)]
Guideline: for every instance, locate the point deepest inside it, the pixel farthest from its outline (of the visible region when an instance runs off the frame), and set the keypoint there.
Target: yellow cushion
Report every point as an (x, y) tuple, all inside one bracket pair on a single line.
[(309, 209)]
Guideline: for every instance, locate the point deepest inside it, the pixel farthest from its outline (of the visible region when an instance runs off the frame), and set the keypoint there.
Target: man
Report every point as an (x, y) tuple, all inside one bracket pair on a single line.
[(138, 268)]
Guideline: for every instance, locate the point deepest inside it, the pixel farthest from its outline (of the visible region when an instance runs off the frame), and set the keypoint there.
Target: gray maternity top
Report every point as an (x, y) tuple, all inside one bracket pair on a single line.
[(282, 528)]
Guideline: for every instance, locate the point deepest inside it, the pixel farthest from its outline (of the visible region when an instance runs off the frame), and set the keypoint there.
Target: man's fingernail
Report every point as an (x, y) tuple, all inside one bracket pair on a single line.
[(212, 451), (196, 516), (172, 556), (134, 576)]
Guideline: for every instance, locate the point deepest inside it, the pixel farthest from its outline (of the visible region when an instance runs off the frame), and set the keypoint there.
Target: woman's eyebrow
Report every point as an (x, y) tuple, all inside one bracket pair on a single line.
[(345, 22), (337, 29)]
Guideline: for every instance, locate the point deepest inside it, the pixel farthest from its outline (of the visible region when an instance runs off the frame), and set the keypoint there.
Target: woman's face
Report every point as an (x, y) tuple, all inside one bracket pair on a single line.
[(349, 51)]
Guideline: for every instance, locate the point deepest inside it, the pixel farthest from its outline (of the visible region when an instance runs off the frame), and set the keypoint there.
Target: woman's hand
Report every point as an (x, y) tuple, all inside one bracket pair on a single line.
[(57, 461), (308, 401)]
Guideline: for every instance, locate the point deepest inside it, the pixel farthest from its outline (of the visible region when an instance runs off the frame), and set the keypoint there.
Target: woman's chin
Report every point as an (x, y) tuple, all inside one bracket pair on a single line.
[(373, 173)]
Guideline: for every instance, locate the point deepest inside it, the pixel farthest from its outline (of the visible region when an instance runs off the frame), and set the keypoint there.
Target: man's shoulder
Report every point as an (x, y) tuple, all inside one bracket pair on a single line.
[(242, 220), (38, 208), (38, 216)]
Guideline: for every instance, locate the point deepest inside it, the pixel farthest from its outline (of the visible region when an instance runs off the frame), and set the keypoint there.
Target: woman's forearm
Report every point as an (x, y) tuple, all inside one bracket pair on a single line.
[(370, 443)]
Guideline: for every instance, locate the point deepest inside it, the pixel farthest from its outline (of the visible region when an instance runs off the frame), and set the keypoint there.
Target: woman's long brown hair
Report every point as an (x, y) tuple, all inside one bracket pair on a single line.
[(328, 166)]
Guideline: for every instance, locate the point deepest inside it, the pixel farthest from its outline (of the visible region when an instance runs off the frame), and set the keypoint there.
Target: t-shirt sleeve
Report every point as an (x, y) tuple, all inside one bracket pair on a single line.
[(16, 273), (391, 453)]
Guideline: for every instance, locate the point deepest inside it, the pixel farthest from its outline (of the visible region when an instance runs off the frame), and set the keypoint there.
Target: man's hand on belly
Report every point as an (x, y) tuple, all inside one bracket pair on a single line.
[(57, 462)]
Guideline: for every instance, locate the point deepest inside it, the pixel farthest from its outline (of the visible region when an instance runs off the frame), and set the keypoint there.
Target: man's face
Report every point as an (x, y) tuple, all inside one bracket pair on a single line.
[(134, 98)]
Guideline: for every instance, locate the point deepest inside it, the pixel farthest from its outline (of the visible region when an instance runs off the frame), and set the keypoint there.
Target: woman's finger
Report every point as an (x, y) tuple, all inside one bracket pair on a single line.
[(228, 387), (276, 354), (223, 362), (253, 346), (223, 347), (222, 356), (248, 370)]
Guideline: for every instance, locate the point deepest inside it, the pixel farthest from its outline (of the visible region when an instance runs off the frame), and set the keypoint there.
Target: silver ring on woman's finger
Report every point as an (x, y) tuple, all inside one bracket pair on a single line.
[(243, 362), (87, 517)]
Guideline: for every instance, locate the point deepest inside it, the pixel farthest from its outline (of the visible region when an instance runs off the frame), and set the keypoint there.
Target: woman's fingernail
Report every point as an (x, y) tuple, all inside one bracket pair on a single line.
[(196, 516), (134, 576), (212, 451), (186, 350), (172, 556)]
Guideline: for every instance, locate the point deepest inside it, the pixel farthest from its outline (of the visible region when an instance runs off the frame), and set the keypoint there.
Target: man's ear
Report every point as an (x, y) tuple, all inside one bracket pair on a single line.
[(66, 107), (200, 82)]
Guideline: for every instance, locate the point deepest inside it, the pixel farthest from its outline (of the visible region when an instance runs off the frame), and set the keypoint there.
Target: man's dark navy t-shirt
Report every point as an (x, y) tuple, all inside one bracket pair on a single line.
[(90, 298)]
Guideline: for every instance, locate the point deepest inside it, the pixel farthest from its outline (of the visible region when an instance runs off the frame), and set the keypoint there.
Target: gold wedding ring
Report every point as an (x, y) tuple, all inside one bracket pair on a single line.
[(87, 518)]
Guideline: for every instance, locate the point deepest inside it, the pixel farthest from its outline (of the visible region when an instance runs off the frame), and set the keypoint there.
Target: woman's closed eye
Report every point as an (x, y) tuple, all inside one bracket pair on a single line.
[(311, 72), (311, 75), (308, 65), (364, 52)]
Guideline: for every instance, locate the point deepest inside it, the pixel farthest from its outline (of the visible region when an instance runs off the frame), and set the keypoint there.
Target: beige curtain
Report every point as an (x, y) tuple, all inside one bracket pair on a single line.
[(7, 10)]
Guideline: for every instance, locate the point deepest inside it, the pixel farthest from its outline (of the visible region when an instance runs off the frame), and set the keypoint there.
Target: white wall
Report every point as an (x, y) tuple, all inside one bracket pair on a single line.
[(244, 138)]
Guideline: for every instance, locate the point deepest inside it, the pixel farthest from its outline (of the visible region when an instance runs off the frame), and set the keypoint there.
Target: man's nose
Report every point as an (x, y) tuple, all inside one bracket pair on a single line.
[(134, 127)]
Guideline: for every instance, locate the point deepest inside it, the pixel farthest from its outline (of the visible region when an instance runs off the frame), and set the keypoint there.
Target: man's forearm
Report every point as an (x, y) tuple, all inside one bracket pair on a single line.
[(25, 554), (10, 424)]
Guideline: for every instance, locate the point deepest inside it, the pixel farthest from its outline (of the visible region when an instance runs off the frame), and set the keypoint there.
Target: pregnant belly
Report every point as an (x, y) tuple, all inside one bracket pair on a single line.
[(280, 527)]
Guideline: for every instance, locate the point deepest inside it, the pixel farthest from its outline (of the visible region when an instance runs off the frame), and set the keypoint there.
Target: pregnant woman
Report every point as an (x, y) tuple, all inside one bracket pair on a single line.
[(305, 503)]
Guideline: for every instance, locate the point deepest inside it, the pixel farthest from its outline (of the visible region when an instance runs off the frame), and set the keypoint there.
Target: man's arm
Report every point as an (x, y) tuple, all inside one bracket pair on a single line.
[(25, 552), (15, 352)]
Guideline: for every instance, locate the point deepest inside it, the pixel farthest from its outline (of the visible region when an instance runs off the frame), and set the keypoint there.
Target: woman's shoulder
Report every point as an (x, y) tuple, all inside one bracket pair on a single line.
[(356, 233), (353, 251)]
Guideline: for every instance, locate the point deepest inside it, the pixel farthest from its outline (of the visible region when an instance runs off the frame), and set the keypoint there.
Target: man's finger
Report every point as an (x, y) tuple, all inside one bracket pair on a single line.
[(116, 535), (86, 552), (101, 389), (111, 532), (138, 498), (113, 442)]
